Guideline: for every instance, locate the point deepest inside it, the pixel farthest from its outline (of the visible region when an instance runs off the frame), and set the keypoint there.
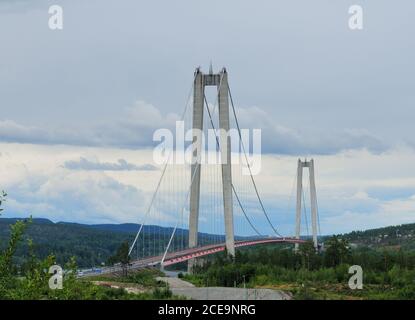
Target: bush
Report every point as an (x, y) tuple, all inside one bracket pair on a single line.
[(162, 293)]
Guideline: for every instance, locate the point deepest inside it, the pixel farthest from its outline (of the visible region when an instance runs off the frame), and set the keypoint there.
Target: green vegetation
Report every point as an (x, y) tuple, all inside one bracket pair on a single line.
[(141, 280), (30, 279), (143, 277), (309, 275), (28, 247), (122, 256), (395, 237), (92, 245)]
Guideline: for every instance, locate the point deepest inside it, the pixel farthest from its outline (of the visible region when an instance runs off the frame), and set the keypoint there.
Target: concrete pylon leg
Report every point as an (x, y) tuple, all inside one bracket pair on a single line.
[(198, 103), (313, 203), (225, 146), (299, 197)]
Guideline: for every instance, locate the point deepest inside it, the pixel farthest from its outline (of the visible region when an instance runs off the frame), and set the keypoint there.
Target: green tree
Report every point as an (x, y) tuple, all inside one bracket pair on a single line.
[(308, 255), (7, 269), (122, 257), (337, 251)]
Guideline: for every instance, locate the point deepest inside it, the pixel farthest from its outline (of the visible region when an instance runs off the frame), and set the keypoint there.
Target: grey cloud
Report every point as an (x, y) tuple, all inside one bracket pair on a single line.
[(75, 196), (11, 131), (305, 68), (121, 165), (318, 142), (285, 140), (135, 128), (19, 6)]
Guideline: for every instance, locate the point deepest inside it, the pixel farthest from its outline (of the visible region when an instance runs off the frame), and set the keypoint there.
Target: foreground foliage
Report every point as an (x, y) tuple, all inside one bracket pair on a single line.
[(308, 275), (30, 279)]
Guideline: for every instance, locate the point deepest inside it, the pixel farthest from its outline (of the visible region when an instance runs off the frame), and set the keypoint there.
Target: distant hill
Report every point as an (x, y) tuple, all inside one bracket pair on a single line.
[(35, 220), (400, 236), (94, 244), (124, 227), (91, 244), (129, 228)]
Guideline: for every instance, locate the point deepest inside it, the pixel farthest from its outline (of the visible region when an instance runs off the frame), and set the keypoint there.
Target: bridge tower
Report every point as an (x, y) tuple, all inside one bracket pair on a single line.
[(313, 198), (220, 80)]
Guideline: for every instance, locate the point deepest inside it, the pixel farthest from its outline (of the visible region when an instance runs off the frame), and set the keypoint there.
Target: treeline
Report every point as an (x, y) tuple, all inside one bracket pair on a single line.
[(399, 236), (91, 245), (33, 277), (387, 274)]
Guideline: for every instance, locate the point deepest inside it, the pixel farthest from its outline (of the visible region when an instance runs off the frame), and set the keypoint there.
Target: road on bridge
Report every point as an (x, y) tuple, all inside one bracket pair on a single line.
[(184, 255)]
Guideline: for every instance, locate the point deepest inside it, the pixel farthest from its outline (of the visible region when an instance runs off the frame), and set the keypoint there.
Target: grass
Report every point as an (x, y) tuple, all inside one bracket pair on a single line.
[(143, 282)]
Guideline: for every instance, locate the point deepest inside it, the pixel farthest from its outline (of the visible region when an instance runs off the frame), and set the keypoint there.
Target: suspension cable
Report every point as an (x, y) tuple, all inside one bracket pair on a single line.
[(318, 217), (162, 175), (305, 212), (182, 211), (233, 187), (249, 167)]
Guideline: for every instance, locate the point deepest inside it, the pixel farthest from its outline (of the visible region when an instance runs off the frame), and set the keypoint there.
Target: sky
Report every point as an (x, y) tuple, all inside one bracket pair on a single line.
[(79, 106)]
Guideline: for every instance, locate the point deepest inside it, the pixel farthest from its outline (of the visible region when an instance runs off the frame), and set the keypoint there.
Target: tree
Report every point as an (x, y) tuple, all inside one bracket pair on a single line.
[(337, 251), (308, 254), (7, 269), (122, 257)]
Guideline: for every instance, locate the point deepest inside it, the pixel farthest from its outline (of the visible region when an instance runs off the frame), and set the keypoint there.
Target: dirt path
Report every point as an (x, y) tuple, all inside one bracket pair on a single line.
[(129, 287), (176, 283), (184, 288)]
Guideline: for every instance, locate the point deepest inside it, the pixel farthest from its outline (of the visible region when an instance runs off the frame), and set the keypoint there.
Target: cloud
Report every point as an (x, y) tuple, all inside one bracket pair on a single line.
[(121, 165), (325, 97), (355, 189), (22, 6), (11, 131), (75, 197), (392, 212), (134, 128), (136, 125), (280, 139), (108, 191)]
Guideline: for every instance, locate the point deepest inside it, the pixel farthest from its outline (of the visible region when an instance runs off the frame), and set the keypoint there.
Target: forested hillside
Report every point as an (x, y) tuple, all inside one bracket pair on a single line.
[(393, 237), (92, 245)]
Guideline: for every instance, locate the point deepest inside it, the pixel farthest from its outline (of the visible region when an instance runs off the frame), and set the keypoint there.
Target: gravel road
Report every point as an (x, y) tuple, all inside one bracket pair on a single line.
[(184, 288)]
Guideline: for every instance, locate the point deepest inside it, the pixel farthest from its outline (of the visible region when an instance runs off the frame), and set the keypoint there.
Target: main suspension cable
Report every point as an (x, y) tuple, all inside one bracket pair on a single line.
[(249, 167), (233, 187)]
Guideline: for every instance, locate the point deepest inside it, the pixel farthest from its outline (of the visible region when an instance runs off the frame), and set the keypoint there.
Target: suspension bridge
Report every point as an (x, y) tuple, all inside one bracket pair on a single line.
[(207, 199)]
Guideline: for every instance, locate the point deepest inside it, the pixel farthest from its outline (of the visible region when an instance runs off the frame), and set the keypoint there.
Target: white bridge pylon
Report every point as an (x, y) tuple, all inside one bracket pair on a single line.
[(313, 199), (220, 80)]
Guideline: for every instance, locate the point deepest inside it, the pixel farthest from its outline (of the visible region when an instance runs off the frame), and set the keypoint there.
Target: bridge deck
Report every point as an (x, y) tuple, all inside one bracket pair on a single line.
[(185, 255)]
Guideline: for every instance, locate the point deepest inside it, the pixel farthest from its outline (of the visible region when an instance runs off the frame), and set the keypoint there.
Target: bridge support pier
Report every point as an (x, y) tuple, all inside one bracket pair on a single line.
[(220, 80), (313, 199)]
